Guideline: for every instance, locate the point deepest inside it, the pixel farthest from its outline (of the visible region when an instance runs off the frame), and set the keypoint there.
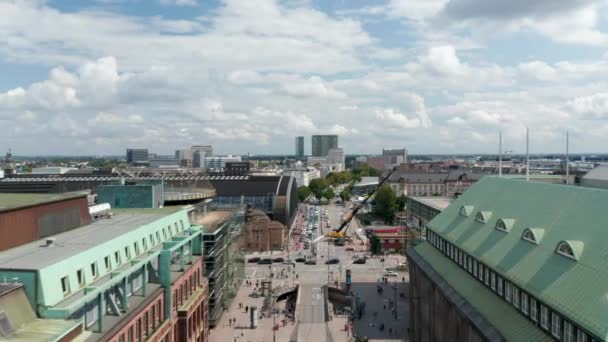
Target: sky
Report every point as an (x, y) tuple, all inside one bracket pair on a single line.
[(434, 76)]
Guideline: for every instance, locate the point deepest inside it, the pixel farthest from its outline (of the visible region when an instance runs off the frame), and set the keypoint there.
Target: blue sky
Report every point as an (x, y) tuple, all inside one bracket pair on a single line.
[(435, 76)]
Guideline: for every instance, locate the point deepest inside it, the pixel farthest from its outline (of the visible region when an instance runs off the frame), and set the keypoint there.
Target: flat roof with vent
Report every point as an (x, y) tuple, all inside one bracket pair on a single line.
[(10, 201)]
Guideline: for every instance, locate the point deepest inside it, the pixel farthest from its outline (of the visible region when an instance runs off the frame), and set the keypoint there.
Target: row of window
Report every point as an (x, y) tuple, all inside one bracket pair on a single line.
[(183, 292), (145, 325), (117, 261), (541, 315)]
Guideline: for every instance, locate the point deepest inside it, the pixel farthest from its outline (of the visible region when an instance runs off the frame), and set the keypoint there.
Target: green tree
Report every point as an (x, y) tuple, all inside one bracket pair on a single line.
[(317, 186), (345, 195), (386, 203), (401, 200), (374, 245), (303, 193), (329, 194)]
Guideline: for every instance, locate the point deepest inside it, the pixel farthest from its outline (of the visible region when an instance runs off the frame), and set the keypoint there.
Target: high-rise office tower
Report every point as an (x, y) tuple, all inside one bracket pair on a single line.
[(299, 147), (398, 155), (321, 144)]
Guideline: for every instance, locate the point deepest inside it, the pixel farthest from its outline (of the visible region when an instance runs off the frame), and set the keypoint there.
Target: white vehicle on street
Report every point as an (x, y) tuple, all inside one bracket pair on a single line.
[(388, 273)]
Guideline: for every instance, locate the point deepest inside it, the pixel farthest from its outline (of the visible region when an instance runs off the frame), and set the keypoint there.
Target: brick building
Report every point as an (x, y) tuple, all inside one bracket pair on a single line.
[(261, 233)]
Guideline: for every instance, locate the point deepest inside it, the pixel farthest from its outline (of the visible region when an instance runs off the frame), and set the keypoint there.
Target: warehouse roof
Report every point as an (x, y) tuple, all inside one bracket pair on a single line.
[(438, 203), (35, 255), (502, 316), (12, 201), (515, 227)]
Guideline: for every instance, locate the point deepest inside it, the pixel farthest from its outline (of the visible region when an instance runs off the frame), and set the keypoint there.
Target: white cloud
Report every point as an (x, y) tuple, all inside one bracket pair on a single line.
[(592, 107), (538, 70)]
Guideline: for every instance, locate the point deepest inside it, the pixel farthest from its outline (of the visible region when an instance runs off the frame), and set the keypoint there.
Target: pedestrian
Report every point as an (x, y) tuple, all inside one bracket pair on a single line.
[(390, 331), (384, 307), (246, 309)]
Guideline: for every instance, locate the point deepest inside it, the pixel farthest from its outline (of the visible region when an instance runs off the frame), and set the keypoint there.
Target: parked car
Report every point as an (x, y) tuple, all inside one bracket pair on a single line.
[(359, 261), (253, 260), (265, 261), (279, 259), (332, 261), (388, 273), (301, 259), (311, 262)]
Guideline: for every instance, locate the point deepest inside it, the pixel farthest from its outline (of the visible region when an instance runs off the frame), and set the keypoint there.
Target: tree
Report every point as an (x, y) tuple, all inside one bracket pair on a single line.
[(345, 195), (303, 193), (401, 200), (317, 186), (386, 203), (329, 194), (374, 245)]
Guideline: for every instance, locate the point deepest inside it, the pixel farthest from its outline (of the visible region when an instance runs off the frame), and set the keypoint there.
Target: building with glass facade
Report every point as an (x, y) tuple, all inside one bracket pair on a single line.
[(321, 144)]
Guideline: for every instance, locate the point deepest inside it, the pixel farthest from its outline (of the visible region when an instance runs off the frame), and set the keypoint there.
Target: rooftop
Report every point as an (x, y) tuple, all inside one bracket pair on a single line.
[(438, 203), (34, 256), (366, 181), (9, 201), (553, 214)]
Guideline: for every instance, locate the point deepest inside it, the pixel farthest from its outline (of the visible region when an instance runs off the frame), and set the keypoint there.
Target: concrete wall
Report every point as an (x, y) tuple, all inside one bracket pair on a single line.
[(432, 316), (20, 226)]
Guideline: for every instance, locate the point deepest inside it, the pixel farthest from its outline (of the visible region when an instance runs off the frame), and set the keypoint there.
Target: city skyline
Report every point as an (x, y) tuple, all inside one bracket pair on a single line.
[(443, 77)]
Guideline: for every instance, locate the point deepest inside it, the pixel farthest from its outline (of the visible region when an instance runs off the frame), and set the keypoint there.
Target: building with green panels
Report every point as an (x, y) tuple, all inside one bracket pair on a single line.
[(511, 260), (101, 273), (139, 195)]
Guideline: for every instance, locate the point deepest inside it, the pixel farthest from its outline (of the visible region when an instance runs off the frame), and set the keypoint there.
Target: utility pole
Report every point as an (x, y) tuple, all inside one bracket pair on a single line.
[(274, 323)]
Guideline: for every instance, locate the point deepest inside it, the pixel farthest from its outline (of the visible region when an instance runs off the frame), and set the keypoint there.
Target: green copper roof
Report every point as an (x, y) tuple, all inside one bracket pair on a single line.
[(503, 316), (579, 216), (10, 201)]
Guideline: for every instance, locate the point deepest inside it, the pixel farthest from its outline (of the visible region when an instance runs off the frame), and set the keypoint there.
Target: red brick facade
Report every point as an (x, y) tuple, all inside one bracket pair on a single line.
[(143, 323), (190, 306)]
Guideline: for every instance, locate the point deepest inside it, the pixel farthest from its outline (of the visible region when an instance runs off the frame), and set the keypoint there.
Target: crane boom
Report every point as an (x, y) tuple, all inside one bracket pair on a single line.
[(360, 205)]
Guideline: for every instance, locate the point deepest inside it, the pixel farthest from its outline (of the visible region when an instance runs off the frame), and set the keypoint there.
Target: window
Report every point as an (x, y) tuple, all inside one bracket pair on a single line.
[(127, 253), (524, 302), (564, 248), (530, 236), (480, 272), (544, 317), (466, 210), (176, 229), (151, 240), (516, 297), (181, 222), (499, 280), (470, 264), (117, 258), (568, 332), (158, 236), (80, 276), (487, 276), (493, 280), (555, 325), (480, 218), (106, 261), (500, 225), (94, 270), (136, 248), (533, 310), (164, 233), (581, 336), (508, 291), (474, 267), (144, 244), (65, 285)]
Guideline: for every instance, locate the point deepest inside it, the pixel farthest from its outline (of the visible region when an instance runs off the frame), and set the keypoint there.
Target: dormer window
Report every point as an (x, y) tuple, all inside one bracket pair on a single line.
[(564, 248), (532, 235), (466, 210), (504, 225), (483, 216)]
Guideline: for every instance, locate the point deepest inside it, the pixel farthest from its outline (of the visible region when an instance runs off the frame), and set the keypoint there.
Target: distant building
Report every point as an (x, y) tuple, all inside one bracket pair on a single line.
[(391, 242), (199, 153), (241, 168), (336, 156), (184, 157), (164, 161), (432, 184), (219, 162), (299, 147), (321, 144), (29, 217), (137, 156), (511, 260), (399, 154), (596, 178), (261, 234), (303, 175), (52, 170), (365, 186), (421, 210)]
